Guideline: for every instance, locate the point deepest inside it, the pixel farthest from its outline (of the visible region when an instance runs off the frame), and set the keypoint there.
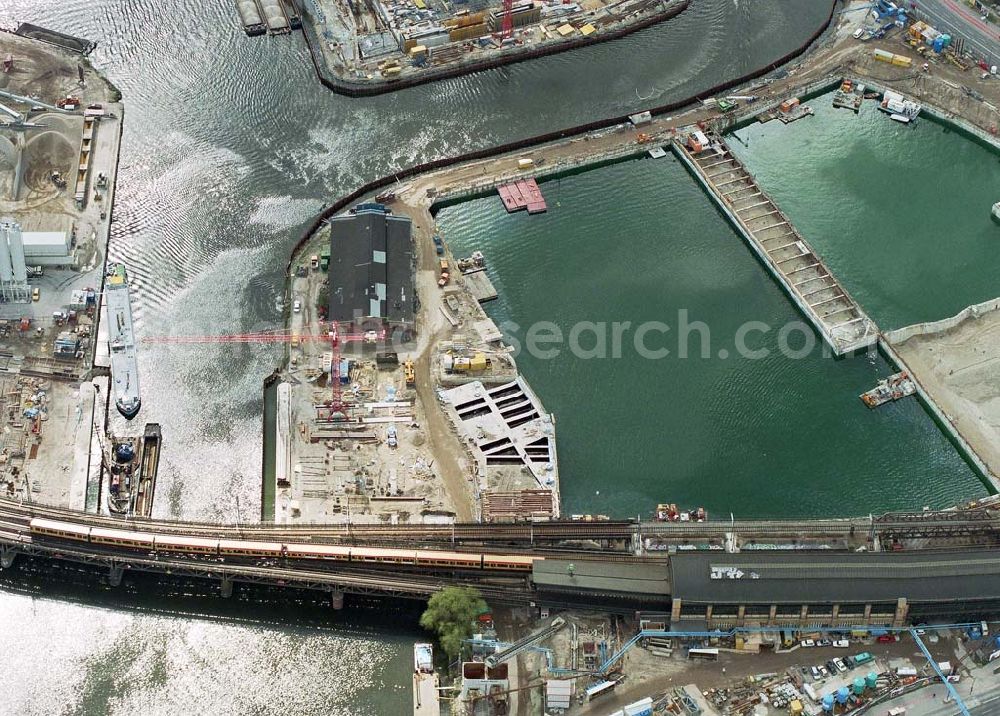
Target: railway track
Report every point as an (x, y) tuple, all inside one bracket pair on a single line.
[(15, 516)]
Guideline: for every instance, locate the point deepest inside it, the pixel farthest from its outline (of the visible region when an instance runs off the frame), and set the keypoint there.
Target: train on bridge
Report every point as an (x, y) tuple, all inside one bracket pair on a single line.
[(150, 543)]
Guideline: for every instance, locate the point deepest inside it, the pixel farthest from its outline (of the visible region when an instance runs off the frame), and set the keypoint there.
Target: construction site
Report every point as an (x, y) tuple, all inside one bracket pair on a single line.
[(642, 668), (380, 46), (399, 401), (60, 130)]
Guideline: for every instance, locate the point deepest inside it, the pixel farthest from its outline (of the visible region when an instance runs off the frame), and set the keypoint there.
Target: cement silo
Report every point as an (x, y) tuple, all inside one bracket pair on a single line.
[(6, 272), (17, 264)]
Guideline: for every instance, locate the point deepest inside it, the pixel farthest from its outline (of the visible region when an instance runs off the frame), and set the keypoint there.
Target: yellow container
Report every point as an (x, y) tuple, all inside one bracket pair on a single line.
[(478, 362), (901, 61)]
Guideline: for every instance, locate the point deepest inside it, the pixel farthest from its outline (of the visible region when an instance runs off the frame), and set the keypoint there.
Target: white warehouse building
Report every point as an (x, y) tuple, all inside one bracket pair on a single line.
[(47, 248)]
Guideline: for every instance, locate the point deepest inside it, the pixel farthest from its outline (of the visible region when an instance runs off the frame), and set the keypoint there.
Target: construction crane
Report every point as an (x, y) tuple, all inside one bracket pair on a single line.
[(507, 26), (329, 332)]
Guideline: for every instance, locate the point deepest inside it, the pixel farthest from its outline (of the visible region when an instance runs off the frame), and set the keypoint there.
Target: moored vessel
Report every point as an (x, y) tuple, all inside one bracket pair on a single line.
[(121, 342)]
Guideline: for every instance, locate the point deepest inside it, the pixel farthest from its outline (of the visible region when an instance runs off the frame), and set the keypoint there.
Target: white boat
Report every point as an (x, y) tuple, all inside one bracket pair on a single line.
[(996, 211), (901, 118)]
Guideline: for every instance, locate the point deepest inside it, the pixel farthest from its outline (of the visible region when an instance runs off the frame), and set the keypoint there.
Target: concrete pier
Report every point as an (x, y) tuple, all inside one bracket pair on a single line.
[(780, 247)]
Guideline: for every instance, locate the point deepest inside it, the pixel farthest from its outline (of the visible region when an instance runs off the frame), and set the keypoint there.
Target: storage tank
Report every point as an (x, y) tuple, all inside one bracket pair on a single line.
[(17, 254), (842, 693), (447, 362), (6, 273), (828, 703), (859, 686), (871, 680)]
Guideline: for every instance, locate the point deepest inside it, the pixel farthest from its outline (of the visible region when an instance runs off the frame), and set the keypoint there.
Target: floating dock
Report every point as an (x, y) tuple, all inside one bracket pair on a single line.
[(849, 96), (522, 194), (426, 701), (779, 246), (479, 285), (889, 389)]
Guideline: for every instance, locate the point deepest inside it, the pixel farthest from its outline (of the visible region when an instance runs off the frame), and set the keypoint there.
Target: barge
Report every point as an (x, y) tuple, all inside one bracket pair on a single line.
[(121, 342)]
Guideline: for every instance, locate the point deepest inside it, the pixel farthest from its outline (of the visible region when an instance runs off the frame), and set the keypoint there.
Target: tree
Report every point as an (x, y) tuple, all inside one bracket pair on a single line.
[(450, 614)]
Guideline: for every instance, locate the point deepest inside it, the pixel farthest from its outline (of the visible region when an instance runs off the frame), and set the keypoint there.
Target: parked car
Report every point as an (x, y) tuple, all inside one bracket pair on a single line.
[(815, 674), (807, 642), (839, 665), (841, 643), (849, 662), (885, 639), (823, 672), (832, 667), (824, 642), (297, 306)]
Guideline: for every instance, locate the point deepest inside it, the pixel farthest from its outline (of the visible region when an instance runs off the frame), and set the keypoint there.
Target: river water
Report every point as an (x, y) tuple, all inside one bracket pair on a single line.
[(230, 146)]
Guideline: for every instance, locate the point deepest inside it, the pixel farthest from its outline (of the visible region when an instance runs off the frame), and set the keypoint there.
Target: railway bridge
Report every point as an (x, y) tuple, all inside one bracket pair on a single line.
[(722, 573)]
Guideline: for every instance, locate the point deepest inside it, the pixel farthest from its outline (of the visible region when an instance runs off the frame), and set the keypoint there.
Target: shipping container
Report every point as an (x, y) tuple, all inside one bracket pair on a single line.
[(883, 56)]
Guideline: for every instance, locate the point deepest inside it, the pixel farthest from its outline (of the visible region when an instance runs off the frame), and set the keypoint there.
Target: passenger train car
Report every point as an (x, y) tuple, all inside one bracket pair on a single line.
[(153, 543)]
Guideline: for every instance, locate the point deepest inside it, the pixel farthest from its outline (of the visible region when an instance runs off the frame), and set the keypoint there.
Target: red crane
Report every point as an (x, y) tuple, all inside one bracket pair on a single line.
[(507, 27), (329, 332)]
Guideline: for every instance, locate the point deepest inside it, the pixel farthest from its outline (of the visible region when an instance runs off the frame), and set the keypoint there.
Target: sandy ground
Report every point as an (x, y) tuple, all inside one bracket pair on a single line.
[(46, 461), (960, 370)]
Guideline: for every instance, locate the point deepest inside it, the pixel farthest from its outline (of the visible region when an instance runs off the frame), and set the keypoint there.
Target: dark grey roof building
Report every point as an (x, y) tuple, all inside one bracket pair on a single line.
[(824, 578), (371, 267)]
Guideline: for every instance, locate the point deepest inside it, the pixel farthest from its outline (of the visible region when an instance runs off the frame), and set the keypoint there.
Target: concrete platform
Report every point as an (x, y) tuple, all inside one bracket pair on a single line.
[(479, 285), (512, 434), (838, 318), (955, 366)]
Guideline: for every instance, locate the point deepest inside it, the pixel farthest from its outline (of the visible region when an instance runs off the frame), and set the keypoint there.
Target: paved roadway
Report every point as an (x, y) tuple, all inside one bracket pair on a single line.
[(959, 20)]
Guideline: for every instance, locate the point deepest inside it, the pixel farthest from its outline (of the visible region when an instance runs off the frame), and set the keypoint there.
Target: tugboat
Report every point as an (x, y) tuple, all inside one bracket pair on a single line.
[(888, 389), (121, 343), (123, 473)]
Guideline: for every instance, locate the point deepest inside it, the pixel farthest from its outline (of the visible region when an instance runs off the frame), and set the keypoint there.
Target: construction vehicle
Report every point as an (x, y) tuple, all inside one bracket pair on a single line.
[(409, 373), (8, 64)]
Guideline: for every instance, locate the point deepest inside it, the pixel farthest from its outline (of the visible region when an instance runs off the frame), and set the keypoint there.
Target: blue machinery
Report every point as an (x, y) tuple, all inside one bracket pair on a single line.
[(717, 634), (963, 709)]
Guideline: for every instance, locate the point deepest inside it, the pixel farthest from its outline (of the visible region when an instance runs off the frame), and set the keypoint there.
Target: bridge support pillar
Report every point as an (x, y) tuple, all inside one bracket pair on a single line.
[(835, 617), (868, 614), (337, 599), (804, 614), (772, 614), (227, 587), (902, 611), (7, 555), (741, 615), (675, 610), (115, 573)]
